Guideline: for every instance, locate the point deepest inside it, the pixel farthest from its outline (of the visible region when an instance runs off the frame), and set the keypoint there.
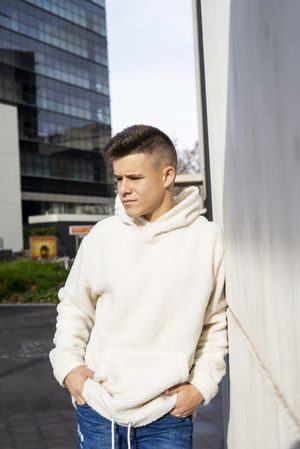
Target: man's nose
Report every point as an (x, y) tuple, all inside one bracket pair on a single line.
[(124, 187)]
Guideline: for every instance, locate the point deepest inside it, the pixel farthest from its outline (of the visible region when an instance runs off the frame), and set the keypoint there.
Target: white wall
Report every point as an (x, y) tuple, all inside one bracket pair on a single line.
[(10, 188), (253, 104), (215, 23)]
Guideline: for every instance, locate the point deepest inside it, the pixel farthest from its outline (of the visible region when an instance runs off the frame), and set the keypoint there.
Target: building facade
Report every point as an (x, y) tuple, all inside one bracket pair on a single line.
[(10, 186), (54, 69)]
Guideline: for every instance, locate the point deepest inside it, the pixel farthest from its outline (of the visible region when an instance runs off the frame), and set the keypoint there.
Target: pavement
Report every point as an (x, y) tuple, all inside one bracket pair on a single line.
[(35, 412)]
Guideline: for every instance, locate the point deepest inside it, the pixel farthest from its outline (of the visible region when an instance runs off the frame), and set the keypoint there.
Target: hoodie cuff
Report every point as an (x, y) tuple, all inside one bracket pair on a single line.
[(204, 384), (64, 366)]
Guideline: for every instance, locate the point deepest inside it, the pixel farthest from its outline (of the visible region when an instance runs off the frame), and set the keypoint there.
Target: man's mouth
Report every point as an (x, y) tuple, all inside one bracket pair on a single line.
[(128, 201)]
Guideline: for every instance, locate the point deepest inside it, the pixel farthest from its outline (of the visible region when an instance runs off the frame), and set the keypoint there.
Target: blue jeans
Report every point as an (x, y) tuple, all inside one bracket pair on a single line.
[(168, 432)]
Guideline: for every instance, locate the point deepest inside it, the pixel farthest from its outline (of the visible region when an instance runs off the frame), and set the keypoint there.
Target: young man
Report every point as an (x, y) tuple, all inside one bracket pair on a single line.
[(141, 329)]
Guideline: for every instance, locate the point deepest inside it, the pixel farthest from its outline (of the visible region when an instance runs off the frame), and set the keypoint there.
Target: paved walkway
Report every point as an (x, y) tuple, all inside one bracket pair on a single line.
[(35, 412)]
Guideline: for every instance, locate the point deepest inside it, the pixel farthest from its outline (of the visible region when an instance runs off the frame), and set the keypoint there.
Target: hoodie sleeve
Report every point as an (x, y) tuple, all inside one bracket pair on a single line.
[(209, 364), (75, 318)]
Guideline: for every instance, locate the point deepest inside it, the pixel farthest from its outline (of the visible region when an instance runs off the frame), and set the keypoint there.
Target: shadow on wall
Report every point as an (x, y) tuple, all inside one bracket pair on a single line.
[(296, 445), (226, 400)]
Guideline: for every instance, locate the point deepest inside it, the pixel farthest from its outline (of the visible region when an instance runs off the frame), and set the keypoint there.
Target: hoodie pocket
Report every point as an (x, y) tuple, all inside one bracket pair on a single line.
[(134, 377)]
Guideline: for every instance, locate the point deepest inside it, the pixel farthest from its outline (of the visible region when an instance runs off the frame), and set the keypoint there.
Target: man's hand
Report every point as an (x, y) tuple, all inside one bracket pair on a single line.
[(188, 399), (74, 382)]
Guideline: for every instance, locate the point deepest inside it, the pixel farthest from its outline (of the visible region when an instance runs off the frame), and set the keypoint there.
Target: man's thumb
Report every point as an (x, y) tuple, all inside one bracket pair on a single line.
[(88, 373), (172, 391)]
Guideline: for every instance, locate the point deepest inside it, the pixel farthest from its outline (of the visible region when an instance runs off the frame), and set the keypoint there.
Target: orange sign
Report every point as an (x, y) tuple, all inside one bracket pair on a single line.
[(80, 230), (43, 246)]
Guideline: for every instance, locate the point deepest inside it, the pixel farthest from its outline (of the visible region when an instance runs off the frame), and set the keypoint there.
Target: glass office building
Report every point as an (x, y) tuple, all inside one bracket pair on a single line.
[(54, 68)]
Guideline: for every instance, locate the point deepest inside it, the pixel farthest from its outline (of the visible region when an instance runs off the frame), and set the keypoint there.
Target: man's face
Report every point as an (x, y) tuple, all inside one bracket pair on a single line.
[(141, 184)]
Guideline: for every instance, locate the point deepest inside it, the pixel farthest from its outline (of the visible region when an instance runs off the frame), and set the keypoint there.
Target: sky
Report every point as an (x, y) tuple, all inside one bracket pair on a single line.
[(151, 67)]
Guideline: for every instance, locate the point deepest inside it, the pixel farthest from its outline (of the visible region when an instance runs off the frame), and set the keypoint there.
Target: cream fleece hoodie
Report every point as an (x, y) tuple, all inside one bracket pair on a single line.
[(144, 307)]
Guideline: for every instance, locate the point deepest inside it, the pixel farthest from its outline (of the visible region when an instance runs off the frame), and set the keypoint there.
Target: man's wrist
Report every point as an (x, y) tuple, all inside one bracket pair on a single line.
[(201, 397)]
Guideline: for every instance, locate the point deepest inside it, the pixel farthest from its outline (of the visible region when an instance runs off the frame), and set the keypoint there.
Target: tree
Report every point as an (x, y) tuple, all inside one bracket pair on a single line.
[(189, 160)]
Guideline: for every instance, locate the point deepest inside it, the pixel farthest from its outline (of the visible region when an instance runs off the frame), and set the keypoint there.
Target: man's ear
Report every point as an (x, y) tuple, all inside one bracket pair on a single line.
[(169, 174)]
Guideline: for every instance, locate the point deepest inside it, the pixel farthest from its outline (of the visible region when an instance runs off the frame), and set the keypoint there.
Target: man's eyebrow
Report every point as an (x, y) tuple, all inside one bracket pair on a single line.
[(138, 175), (133, 174)]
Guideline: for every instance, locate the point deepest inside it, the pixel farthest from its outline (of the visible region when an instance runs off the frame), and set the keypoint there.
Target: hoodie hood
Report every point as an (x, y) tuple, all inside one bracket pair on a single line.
[(187, 207)]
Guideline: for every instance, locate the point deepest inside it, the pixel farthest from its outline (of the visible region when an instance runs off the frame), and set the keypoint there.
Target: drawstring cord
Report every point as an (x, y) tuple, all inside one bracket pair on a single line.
[(128, 436), (113, 435)]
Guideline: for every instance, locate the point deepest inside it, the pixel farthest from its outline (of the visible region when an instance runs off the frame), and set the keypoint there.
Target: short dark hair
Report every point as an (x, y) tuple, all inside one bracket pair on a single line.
[(141, 139)]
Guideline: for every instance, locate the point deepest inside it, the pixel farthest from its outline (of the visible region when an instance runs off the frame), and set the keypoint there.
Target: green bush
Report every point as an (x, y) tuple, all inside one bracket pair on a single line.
[(24, 280)]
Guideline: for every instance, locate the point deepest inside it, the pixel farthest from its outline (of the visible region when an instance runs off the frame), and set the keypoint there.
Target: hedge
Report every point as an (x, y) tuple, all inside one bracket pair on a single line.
[(23, 281)]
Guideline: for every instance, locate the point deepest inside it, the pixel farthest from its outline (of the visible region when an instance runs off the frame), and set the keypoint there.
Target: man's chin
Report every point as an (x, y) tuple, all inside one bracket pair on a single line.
[(133, 211), (132, 214)]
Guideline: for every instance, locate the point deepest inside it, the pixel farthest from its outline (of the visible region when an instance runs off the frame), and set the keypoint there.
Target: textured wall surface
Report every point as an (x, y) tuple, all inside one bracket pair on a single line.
[(252, 69), (10, 189), (215, 24)]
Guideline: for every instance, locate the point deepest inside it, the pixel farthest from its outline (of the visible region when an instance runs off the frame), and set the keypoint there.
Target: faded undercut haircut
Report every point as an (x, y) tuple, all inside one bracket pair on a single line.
[(141, 139)]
